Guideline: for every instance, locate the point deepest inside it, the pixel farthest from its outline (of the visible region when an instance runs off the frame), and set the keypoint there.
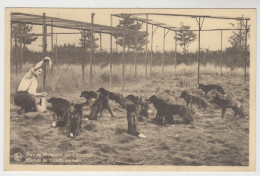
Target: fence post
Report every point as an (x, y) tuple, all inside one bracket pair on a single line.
[(199, 53), (146, 53), (94, 56), (91, 55), (135, 54), (221, 57), (163, 54), (100, 48), (245, 55), (52, 54), (44, 50), (11, 43), (21, 48), (15, 54), (151, 61), (56, 58), (123, 70), (66, 55), (175, 56), (83, 57), (111, 52)]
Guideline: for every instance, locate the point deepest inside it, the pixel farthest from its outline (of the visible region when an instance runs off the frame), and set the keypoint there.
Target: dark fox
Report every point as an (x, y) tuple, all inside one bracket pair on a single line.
[(191, 99), (88, 95), (98, 106), (76, 118), (62, 109), (133, 111), (228, 102), (167, 110), (139, 101), (210, 87), (119, 98), (157, 103)]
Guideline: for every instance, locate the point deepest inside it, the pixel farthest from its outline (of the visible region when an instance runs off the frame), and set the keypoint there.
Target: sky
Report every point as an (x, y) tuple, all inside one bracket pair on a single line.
[(209, 40)]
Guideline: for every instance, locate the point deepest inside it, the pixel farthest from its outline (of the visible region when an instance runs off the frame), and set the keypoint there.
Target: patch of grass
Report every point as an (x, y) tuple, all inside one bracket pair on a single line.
[(120, 131), (105, 77), (84, 151), (91, 127), (107, 149), (65, 145), (123, 141), (163, 146)]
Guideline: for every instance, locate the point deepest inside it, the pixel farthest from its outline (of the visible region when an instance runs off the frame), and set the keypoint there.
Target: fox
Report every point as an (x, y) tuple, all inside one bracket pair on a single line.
[(191, 99), (167, 110), (76, 118), (210, 87), (225, 102)]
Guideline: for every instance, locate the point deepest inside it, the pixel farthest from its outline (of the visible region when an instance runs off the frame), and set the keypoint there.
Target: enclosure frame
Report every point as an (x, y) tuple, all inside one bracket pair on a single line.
[(24, 18), (135, 16)]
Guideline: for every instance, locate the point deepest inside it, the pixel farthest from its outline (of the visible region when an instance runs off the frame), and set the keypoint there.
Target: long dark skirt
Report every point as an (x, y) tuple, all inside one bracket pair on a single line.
[(26, 101)]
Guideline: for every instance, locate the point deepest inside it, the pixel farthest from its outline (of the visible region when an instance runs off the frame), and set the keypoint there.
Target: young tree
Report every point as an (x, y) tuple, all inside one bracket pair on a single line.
[(24, 29), (88, 40), (237, 39), (129, 24), (184, 37)]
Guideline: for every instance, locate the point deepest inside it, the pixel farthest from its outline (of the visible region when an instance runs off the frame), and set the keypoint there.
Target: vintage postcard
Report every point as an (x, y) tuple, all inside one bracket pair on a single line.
[(130, 90)]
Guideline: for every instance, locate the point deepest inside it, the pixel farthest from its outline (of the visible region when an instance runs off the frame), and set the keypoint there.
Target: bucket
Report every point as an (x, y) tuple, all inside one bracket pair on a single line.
[(41, 106)]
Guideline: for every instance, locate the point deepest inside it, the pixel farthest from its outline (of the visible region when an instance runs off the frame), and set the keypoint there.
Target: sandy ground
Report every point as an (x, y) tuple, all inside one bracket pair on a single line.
[(210, 140)]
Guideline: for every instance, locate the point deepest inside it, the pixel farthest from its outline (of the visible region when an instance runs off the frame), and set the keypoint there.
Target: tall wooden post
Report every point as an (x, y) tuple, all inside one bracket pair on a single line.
[(91, 55), (66, 55), (163, 54), (83, 58), (52, 54), (151, 59), (100, 44), (116, 46), (100, 48), (135, 54), (15, 54), (56, 57), (123, 70), (221, 57), (175, 55), (111, 52), (21, 49), (146, 50), (245, 55), (199, 52), (44, 50), (94, 55), (11, 43)]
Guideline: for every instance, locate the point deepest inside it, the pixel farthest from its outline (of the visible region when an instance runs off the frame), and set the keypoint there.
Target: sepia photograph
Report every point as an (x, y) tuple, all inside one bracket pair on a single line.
[(130, 89)]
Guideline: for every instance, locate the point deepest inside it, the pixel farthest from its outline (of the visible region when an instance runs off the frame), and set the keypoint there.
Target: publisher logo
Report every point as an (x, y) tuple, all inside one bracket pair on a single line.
[(18, 156)]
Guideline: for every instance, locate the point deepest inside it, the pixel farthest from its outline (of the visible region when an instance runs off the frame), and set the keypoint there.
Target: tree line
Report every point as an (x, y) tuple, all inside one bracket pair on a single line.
[(183, 37)]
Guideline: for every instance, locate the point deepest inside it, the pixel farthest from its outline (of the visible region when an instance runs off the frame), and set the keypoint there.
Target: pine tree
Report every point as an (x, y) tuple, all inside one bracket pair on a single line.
[(185, 37), (88, 40), (237, 40), (129, 24), (24, 29)]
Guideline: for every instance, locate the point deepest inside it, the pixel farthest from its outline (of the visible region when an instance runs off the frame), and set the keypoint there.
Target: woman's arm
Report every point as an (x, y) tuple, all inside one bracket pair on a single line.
[(39, 64), (42, 94)]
